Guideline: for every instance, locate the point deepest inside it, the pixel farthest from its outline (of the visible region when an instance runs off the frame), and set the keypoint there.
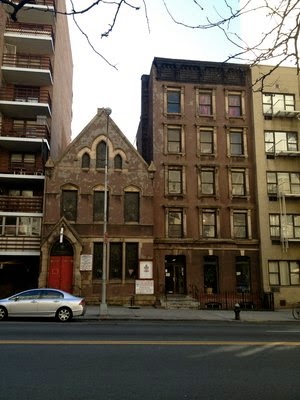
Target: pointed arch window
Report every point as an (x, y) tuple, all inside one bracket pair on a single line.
[(118, 162), (101, 155), (85, 161)]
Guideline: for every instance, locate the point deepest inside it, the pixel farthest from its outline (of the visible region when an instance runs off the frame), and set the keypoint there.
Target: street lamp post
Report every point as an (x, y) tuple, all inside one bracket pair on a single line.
[(103, 304)]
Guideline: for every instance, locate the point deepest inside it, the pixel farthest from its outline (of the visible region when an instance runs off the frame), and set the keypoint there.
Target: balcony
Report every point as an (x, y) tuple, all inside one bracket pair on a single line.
[(41, 11), (31, 38), (32, 69), (19, 129), (25, 102), (11, 245), (21, 204), (16, 172)]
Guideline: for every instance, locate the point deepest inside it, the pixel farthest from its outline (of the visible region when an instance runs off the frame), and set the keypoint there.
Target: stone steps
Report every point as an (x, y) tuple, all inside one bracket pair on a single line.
[(179, 302)]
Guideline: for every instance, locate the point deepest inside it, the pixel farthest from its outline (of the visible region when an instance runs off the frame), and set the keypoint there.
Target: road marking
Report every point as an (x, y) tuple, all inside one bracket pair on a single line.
[(147, 342)]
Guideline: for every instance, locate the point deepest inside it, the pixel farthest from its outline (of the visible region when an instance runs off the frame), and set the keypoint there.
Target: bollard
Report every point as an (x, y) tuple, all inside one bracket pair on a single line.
[(237, 310)]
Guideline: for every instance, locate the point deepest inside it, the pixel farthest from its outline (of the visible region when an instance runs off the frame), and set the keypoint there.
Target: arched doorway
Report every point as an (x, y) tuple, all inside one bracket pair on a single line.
[(60, 272)]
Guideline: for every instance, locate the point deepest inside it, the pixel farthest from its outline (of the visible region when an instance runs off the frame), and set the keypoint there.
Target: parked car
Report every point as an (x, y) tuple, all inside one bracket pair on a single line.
[(43, 303)]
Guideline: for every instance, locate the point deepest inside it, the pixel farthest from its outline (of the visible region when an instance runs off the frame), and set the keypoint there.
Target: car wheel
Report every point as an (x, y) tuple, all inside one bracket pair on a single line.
[(64, 314), (3, 313)]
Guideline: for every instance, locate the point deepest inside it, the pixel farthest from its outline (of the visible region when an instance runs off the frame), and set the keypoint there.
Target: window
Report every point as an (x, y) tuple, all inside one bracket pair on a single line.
[(274, 221), (101, 155), (175, 223), (207, 181), (240, 228), (277, 141), (242, 270), (97, 260), (206, 140), (274, 102), (234, 105), (69, 204), (22, 162), (284, 273), (24, 226), (209, 224), (10, 226), (132, 207), (205, 103), (115, 261), (291, 226), (174, 139), (51, 294), (174, 101), (29, 94), (28, 295), (238, 184), (285, 226), (174, 180), (98, 205), (236, 142), (131, 260), (283, 182), (21, 226), (26, 127), (85, 161), (123, 260), (118, 162), (210, 272)]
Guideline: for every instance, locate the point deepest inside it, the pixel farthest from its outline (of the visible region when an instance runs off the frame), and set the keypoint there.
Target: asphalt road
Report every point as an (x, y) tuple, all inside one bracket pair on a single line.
[(149, 360)]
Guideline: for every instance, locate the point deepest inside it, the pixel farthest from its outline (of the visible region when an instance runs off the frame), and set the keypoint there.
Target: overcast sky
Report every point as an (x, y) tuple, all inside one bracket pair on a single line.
[(132, 47)]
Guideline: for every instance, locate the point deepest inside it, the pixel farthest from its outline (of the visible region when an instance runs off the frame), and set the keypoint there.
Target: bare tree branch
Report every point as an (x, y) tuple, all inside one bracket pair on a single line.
[(277, 45)]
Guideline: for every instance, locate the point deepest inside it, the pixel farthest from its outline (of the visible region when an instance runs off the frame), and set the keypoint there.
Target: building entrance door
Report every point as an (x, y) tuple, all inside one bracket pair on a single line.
[(175, 276), (60, 272)]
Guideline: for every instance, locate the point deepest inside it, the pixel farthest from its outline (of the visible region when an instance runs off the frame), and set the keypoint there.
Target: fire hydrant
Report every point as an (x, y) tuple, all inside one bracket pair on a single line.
[(237, 310)]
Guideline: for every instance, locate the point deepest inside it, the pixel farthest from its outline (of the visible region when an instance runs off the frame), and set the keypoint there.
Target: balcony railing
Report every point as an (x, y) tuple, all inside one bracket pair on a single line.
[(25, 94), (16, 244), (27, 61), (24, 168), (31, 130), (49, 3), (21, 204), (37, 98), (30, 29)]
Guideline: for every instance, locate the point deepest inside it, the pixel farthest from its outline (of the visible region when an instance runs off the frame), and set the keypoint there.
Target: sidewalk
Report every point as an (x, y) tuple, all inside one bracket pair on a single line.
[(162, 314)]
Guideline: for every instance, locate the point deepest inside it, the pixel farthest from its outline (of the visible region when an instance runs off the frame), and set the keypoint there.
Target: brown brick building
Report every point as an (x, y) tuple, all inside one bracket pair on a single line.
[(196, 127), (73, 234)]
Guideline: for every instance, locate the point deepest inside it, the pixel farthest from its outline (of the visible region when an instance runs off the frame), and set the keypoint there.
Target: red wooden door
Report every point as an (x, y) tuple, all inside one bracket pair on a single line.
[(60, 274)]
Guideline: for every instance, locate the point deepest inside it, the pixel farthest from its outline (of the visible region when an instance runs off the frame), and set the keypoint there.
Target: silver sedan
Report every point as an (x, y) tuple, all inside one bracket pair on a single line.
[(43, 303)]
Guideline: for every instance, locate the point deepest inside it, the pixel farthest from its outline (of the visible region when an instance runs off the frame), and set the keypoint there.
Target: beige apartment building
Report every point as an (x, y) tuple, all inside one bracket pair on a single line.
[(35, 122), (276, 122)]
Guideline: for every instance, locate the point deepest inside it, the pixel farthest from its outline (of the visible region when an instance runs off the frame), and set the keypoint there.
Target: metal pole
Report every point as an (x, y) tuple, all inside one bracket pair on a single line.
[(103, 305)]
